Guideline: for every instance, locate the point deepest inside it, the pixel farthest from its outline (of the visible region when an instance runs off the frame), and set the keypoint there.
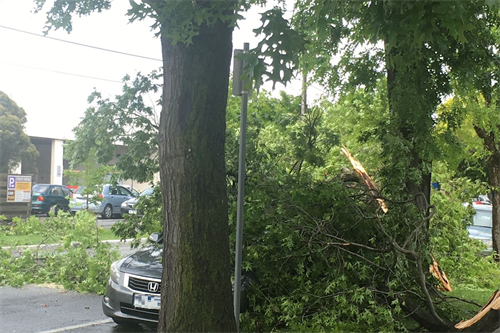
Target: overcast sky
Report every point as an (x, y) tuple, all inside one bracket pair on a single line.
[(52, 79)]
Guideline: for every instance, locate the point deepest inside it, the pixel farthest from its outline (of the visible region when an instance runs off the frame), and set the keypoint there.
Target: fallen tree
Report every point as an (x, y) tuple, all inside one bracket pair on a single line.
[(328, 256), (486, 320)]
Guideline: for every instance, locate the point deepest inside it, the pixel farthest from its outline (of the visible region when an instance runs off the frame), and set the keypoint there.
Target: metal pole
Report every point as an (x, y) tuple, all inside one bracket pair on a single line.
[(241, 199)]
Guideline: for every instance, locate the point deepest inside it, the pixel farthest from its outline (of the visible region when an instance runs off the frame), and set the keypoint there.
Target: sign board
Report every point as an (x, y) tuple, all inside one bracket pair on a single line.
[(18, 188)]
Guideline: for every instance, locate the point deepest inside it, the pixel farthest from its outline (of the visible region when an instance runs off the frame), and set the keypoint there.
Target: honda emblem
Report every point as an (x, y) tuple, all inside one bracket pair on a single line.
[(153, 287)]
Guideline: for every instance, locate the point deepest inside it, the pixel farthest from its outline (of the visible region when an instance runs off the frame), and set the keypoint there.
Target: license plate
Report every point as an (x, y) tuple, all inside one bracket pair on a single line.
[(147, 301), (132, 211)]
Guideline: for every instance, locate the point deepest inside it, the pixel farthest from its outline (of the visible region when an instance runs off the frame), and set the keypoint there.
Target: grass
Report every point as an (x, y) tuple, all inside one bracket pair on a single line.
[(16, 240), (479, 296)]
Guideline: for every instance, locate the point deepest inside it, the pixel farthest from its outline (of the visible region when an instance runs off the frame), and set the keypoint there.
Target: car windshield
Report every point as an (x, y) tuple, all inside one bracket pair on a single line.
[(148, 191), (40, 188), (482, 218)]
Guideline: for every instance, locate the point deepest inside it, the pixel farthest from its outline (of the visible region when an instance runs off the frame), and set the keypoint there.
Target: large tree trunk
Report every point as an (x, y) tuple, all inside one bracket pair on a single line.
[(409, 118), (196, 286), (411, 105)]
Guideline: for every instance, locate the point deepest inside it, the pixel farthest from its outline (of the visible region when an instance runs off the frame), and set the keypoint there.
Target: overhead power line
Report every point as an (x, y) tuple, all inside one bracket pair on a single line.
[(80, 44), (60, 72), (319, 89)]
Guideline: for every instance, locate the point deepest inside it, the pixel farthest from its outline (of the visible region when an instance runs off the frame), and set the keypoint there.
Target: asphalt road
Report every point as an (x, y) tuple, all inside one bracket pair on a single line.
[(46, 309)]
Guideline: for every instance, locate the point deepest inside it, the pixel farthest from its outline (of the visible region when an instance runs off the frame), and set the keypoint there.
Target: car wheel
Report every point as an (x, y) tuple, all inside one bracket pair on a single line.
[(123, 322), (107, 213), (53, 210)]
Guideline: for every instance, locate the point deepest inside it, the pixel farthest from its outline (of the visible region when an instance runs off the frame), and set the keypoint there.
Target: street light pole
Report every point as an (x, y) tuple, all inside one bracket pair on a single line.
[(239, 89)]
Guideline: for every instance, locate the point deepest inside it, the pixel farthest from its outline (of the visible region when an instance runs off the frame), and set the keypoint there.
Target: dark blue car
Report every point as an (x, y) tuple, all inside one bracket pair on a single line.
[(46, 198)]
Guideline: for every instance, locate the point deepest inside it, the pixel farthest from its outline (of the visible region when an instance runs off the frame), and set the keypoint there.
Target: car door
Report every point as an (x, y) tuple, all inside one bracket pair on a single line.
[(125, 195), (67, 195), (57, 196), (114, 198)]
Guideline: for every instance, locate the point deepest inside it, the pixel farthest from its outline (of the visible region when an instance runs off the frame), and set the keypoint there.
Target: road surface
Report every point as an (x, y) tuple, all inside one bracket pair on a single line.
[(46, 309)]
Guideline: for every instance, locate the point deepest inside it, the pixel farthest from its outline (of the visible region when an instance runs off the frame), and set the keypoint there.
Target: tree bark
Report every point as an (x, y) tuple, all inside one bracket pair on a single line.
[(411, 108), (420, 190), (196, 286)]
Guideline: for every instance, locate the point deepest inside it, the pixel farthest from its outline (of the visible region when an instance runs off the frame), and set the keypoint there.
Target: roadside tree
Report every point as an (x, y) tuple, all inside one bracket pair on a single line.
[(15, 145), (126, 119), (196, 49), (478, 101)]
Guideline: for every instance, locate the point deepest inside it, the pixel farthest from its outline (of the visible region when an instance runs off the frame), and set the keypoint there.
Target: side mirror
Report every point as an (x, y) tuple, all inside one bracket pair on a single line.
[(156, 237)]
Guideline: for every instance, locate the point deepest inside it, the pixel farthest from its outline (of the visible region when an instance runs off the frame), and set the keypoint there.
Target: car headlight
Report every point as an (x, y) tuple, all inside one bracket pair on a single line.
[(124, 204), (114, 272)]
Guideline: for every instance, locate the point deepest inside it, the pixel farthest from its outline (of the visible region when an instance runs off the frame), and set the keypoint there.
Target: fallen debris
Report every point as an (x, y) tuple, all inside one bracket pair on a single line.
[(489, 313), (365, 176), (439, 274)]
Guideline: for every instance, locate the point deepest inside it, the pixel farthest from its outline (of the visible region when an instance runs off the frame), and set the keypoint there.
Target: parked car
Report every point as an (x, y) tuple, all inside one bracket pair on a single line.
[(49, 198), (109, 205), (127, 207), (72, 188), (483, 199), (133, 291), (482, 226)]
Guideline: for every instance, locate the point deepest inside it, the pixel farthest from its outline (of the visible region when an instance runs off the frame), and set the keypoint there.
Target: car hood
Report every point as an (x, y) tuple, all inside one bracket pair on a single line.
[(146, 262), (131, 201)]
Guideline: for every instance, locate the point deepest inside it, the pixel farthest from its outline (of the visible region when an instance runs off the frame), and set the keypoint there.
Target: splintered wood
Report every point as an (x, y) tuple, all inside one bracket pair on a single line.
[(439, 274), (434, 268), (365, 176), (492, 304)]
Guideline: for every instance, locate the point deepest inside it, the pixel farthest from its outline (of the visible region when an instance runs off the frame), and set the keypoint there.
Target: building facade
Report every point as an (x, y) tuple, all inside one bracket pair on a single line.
[(50, 164)]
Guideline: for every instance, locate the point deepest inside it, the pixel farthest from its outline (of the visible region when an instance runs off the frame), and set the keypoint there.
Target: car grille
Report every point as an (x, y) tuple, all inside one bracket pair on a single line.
[(142, 285), (142, 313)]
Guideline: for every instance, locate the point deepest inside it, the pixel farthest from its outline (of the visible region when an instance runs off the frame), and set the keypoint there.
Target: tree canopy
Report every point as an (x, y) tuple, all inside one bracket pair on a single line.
[(130, 119), (15, 145)]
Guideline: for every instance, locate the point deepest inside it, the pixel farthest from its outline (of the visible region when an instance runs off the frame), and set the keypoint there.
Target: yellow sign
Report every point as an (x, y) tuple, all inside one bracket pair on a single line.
[(23, 186)]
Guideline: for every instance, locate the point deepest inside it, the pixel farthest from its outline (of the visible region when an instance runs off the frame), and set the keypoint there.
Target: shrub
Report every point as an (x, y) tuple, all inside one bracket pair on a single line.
[(80, 262)]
